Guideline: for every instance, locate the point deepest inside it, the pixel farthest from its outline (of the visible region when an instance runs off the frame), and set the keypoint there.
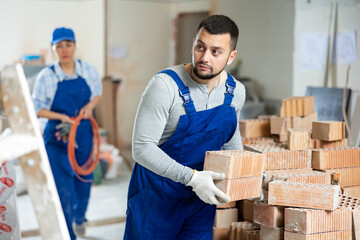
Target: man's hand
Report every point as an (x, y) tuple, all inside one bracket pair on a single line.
[(203, 185)]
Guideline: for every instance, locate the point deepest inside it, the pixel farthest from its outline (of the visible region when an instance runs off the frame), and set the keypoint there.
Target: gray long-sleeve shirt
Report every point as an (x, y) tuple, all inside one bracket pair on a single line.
[(158, 115)]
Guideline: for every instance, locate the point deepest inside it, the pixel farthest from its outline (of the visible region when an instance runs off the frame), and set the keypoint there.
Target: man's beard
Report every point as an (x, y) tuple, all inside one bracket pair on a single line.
[(212, 75)]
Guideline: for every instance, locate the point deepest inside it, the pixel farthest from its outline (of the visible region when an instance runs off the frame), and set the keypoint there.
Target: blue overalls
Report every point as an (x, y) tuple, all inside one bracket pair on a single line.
[(70, 97), (159, 208)]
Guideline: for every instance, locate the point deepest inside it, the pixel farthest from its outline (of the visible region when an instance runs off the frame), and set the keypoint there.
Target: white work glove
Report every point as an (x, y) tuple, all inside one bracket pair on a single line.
[(202, 183)]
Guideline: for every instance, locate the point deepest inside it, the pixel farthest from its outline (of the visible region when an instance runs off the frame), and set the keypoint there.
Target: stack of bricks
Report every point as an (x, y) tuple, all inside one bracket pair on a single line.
[(244, 231), (296, 112), (243, 172), (345, 161), (223, 219), (278, 157), (328, 134), (353, 204)]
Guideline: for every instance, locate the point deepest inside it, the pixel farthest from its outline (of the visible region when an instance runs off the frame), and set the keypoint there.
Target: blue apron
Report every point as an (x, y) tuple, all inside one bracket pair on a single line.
[(70, 97), (159, 208)]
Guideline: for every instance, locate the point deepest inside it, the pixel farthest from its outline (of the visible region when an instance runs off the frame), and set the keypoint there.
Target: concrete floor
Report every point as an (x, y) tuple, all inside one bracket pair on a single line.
[(108, 200)]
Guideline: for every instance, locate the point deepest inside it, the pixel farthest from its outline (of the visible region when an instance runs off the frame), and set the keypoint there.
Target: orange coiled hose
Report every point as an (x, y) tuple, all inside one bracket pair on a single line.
[(89, 166)]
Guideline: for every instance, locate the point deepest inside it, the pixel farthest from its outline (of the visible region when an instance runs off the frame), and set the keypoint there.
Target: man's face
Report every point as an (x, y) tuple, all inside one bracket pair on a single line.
[(210, 54)]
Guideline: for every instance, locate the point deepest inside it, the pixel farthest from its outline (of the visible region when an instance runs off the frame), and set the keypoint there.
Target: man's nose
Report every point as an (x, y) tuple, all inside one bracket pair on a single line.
[(205, 56)]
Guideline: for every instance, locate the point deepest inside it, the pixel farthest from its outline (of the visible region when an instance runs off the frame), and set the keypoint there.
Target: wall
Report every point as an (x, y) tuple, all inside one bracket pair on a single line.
[(26, 27), (144, 31), (265, 42), (314, 17)]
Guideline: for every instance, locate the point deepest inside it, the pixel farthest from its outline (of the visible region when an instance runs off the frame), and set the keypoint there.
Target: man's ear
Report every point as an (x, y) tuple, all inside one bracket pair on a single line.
[(231, 57)]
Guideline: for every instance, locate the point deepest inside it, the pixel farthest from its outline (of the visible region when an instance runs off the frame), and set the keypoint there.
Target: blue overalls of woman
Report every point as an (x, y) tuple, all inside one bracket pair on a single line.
[(61, 92)]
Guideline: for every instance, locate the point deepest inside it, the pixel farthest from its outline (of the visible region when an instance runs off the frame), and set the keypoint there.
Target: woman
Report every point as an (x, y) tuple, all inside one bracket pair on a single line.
[(61, 92)]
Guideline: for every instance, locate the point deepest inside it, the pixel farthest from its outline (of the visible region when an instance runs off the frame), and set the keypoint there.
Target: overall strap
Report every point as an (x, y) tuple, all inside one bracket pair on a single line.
[(183, 90), (52, 67), (230, 86)]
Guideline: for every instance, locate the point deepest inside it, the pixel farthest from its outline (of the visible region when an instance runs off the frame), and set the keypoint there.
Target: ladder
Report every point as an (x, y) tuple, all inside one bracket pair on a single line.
[(26, 143)]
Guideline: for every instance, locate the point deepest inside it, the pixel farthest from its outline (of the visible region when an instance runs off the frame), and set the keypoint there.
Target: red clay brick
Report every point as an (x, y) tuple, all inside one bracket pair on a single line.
[(316, 177), (279, 157), (336, 158), (269, 173), (352, 191), (340, 235), (328, 130), (221, 233), (348, 176), (354, 205), (252, 128), (272, 216), (310, 221), (241, 188), (224, 217), (257, 140), (298, 138), (235, 164), (269, 233), (253, 235), (316, 143), (227, 205), (238, 229), (297, 106), (247, 208), (305, 195)]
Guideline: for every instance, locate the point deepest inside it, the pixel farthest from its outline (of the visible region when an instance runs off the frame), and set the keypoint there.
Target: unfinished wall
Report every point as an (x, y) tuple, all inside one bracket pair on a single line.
[(265, 42), (314, 17), (26, 27)]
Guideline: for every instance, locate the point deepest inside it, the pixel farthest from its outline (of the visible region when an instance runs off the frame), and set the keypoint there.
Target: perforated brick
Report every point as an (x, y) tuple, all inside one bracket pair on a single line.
[(272, 216), (241, 188), (336, 158), (316, 143), (279, 157), (235, 164), (304, 177), (224, 217), (348, 176), (341, 235), (328, 130), (310, 221), (252, 128), (305, 195), (297, 106), (257, 140), (298, 138), (352, 191)]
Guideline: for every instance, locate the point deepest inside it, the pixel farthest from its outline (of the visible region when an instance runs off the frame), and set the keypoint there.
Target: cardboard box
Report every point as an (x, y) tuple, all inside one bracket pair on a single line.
[(328, 130)]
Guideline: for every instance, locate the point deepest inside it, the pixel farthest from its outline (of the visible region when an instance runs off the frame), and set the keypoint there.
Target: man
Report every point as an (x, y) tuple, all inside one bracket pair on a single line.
[(182, 114)]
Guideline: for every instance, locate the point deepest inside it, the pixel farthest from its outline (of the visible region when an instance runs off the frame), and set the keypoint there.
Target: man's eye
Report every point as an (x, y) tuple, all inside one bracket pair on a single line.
[(216, 52), (200, 47)]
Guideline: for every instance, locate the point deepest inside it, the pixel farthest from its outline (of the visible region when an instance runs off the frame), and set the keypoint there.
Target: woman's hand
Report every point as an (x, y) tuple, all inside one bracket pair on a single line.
[(86, 111), (64, 118)]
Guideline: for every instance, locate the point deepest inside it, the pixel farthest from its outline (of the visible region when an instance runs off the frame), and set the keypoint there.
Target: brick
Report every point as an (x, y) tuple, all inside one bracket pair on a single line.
[(354, 205), (278, 157), (298, 138), (316, 177), (356, 223), (241, 188), (310, 221), (278, 125), (257, 140), (303, 122), (272, 216), (348, 176), (224, 217), (335, 158), (221, 233), (297, 106), (352, 191), (328, 130), (340, 235), (237, 229), (227, 205), (305, 195), (252, 128), (247, 209), (235, 164), (269, 233), (269, 173), (253, 235), (316, 143)]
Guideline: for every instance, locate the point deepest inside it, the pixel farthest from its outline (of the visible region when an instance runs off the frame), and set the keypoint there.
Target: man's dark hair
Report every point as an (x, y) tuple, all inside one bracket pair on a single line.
[(220, 24)]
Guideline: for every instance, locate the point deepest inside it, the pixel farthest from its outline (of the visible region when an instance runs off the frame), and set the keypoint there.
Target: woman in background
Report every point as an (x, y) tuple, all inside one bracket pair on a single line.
[(61, 92)]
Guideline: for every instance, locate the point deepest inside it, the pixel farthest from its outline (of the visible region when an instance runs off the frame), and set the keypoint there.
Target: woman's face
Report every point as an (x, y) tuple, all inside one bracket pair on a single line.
[(65, 51)]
